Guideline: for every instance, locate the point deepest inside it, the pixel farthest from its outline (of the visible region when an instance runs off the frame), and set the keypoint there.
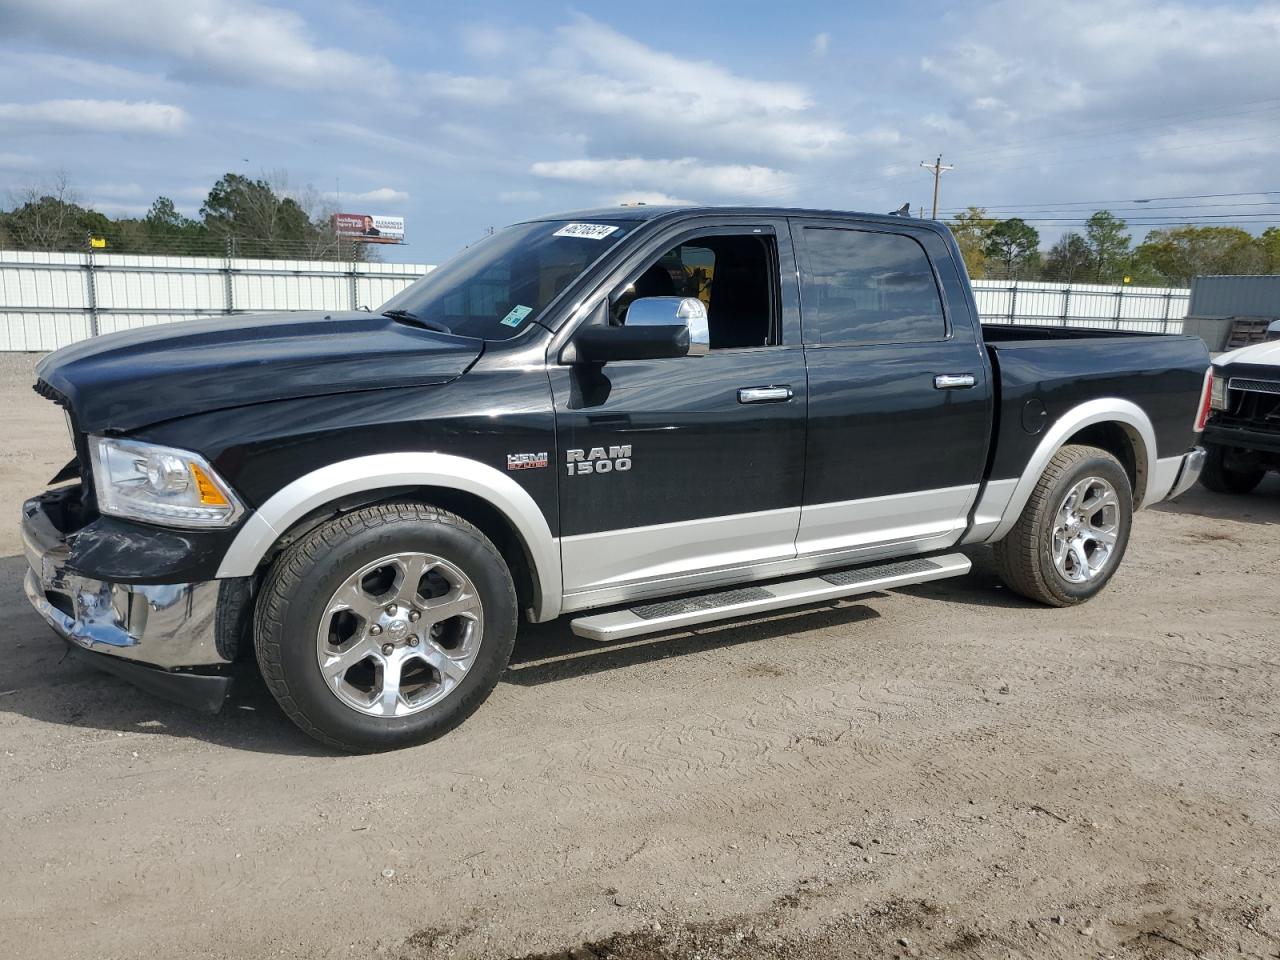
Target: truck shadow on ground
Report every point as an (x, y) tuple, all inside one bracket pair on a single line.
[(549, 652), (41, 682), (1261, 506)]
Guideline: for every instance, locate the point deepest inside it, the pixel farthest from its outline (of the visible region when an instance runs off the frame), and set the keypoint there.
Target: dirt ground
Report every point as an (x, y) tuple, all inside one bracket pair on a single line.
[(942, 771)]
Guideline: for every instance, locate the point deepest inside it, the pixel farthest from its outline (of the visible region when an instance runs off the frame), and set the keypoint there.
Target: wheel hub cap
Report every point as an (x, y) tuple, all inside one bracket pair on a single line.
[(1087, 525), (399, 634)]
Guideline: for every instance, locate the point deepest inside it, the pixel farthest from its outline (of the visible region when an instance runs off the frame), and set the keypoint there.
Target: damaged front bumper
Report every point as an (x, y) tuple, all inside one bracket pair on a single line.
[(171, 639)]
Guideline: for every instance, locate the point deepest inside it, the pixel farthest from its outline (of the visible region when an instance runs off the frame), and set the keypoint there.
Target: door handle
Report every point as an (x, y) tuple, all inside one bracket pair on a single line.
[(954, 381), (765, 394)]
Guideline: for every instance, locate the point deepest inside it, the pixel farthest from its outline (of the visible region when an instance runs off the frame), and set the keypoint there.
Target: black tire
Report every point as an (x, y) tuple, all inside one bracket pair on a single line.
[(1024, 557), (1220, 478), (303, 579)]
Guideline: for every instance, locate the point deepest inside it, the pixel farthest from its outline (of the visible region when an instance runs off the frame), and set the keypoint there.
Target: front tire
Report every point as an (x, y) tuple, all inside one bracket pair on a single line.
[(1220, 478), (1073, 531), (385, 627)]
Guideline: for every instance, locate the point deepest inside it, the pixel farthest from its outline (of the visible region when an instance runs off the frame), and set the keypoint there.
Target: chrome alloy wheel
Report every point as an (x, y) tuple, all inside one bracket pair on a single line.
[(1085, 530), (399, 634)]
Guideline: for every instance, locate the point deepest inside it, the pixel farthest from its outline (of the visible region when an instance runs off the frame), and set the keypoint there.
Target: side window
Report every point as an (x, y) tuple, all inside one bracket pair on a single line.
[(733, 275), (865, 287)]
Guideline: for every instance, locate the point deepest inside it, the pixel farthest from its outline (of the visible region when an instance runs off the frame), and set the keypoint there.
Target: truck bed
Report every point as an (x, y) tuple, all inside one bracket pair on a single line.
[(1063, 367)]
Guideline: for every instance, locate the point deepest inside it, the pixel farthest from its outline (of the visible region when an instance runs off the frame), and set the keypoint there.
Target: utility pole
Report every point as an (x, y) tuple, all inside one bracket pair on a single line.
[(937, 169)]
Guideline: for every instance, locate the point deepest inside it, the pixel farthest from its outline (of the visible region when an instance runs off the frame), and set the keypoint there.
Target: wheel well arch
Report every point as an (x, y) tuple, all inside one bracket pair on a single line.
[(477, 511), (1112, 423), (491, 500), (1124, 443)]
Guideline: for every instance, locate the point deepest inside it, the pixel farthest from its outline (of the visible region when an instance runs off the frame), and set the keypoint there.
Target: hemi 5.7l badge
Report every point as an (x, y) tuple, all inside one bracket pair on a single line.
[(526, 461)]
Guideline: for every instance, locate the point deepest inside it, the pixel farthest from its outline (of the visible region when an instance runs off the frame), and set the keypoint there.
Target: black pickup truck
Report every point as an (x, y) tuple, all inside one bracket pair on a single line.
[(640, 418)]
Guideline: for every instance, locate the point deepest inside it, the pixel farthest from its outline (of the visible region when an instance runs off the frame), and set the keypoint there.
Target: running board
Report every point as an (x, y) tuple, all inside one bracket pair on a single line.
[(744, 601)]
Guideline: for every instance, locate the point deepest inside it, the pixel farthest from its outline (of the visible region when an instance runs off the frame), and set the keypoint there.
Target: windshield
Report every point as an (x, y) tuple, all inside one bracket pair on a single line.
[(496, 288)]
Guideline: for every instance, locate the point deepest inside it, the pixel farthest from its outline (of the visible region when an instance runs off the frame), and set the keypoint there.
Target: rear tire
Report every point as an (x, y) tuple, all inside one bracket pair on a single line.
[(1220, 478), (385, 627), (1073, 531)]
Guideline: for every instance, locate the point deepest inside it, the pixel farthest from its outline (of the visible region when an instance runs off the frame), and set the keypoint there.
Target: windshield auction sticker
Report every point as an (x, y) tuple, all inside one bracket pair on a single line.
[(516, 316), (586, 231)]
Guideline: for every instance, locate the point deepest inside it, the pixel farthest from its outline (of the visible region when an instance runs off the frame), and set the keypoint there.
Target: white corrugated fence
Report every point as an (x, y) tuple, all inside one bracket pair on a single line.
[(48, 300)]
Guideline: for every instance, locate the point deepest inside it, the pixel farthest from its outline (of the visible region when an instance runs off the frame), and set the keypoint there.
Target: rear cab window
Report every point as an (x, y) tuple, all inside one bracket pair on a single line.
[(868, 286)]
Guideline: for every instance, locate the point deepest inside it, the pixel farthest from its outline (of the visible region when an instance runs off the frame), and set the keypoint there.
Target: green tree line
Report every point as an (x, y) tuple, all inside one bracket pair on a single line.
[(1104, 251), (244, 216)]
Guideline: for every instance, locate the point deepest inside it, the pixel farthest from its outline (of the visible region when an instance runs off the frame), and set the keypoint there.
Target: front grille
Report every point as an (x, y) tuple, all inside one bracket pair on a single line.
[(1253, 386)]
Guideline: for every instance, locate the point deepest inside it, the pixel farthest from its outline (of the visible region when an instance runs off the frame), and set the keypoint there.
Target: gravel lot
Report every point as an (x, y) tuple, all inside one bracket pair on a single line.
[(941, 771)]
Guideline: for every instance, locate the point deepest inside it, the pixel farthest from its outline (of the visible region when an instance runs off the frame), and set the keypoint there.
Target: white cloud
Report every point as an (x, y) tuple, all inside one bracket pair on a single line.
[(650, 198), (520, 196), (488, 91), (16, 161), (686, 173), (821, 43), (239, 41), (596, 70), (98, 116), (1021, 59), (380, 195)]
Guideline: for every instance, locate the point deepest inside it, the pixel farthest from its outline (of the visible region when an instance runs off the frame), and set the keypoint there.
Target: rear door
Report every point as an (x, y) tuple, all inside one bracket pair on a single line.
[(678, 472), (900, 401)]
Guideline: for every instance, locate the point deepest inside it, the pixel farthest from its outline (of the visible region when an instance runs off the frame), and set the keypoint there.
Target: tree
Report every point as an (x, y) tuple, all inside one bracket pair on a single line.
[(1069, 259), (970, 230), (1179, 254), (263, 223), (50, 217), (1014, 243), (1108, 240), (1270, 244)]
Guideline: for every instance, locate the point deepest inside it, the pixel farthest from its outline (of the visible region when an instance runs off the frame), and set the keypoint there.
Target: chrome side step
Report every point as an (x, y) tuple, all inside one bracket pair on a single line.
[(750, 599)]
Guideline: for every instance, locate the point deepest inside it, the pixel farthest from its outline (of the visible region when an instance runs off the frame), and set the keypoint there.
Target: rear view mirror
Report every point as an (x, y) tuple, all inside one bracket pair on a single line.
[(656, 328)]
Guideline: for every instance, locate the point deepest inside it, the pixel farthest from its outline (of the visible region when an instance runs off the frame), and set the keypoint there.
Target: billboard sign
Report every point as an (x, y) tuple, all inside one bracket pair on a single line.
[(370, 229)]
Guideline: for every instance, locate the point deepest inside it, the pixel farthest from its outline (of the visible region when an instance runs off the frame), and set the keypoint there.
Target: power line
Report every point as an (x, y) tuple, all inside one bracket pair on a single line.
[(1099, 204)]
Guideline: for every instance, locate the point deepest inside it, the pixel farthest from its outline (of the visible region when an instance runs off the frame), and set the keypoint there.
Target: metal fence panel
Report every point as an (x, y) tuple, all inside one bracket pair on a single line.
[(1157, 309), (48, 300)]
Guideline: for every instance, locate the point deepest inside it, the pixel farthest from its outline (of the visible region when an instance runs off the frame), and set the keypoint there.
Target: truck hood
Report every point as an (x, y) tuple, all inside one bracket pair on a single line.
[(127, 380), (1265, 354)]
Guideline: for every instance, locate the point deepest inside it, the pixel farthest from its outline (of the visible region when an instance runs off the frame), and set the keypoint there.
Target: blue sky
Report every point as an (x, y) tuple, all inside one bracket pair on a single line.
[(466, 116)]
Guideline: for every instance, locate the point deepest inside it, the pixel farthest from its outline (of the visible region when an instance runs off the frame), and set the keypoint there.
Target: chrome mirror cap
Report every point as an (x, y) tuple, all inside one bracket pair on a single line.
[(663, 311)]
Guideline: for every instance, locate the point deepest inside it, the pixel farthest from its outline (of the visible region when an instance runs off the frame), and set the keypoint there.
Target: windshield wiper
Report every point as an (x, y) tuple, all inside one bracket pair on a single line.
[(406, 316)]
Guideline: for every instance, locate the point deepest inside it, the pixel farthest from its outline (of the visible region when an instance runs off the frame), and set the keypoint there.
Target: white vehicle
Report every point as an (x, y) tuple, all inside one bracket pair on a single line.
[(1242, 436)]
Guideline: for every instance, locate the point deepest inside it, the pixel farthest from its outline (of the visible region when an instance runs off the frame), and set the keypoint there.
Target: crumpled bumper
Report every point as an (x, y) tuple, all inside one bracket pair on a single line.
[(135, 627)]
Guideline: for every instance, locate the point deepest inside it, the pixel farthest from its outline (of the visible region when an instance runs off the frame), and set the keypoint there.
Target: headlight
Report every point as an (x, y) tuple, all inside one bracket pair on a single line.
[(1218, 397), (161, 485)]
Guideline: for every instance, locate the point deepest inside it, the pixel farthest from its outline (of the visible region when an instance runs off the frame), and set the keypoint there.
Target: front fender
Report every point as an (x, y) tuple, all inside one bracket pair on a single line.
[(406, 469)]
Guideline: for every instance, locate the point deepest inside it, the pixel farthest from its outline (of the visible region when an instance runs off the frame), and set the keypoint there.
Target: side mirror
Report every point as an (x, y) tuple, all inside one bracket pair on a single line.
[(656, 328)]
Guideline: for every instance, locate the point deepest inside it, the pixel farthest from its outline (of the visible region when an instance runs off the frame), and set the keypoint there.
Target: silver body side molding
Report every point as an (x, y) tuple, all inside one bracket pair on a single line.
[(1104, 410), (265, 526)]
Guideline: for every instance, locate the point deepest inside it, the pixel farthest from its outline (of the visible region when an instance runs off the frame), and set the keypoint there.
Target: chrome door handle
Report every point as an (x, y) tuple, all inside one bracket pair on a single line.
[(765, 394), (954, 381)]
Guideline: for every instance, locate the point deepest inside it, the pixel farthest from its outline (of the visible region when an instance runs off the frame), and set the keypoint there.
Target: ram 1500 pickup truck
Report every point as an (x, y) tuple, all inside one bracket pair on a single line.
[(1242, 437), (640, 419)]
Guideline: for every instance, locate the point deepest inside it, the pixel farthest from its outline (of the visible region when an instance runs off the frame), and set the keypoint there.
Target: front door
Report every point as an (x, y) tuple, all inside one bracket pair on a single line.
[(678, 472), (900, 406)]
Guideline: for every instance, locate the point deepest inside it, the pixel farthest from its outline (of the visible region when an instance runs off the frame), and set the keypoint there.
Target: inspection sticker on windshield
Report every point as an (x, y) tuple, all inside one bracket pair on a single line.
[(587, 231), (516, 316)]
